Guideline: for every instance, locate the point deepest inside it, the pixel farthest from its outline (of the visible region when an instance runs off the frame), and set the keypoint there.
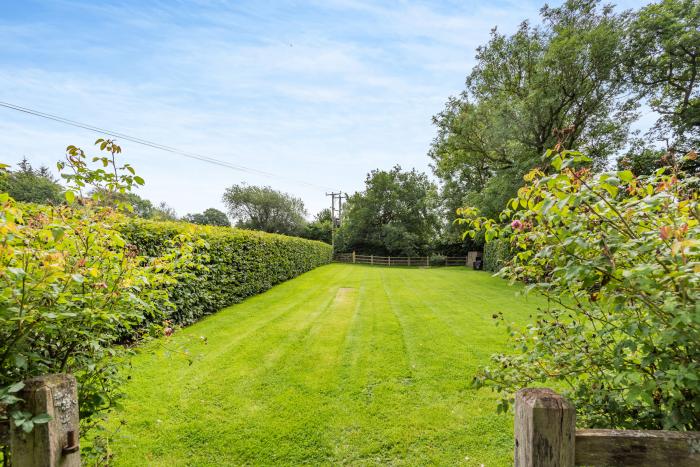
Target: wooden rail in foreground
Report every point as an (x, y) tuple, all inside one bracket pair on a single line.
[(546, 436)]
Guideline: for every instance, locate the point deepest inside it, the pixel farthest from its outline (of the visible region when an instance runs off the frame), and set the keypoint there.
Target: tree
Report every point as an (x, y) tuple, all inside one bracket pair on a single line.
[(210, 216), (31, 185), (396, 214), (560, 82), (662, 58), (616, 256), (135, 205), (321, 228), (262, 208), (643, 159)]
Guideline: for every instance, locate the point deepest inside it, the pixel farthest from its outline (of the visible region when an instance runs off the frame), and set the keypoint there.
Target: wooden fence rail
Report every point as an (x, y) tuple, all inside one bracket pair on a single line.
[(383, 260), (407, 260), (546, 436)]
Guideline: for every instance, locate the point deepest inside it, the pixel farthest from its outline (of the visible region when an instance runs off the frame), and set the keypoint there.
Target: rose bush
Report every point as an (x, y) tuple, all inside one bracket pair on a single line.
[(71, 288), (618, 258)]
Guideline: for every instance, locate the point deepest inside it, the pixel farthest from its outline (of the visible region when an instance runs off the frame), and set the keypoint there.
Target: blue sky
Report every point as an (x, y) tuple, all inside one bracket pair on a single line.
[(318, 92)]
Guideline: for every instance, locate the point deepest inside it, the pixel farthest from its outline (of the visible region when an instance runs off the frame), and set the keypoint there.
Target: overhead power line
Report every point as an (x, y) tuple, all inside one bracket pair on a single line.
[(162, 147)]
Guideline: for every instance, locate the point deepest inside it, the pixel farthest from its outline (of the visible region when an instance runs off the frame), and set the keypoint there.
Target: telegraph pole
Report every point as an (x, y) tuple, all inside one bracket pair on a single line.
[(335, 219)]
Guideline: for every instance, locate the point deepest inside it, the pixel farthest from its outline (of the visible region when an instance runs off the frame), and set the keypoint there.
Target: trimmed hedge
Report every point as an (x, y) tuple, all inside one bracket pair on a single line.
[(232, 264), (496, 253)]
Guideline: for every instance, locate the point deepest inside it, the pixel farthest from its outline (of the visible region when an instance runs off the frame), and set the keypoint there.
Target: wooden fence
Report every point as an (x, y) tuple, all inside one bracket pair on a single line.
[(55, 443), (546, 436), (383, 260), (407, 260)]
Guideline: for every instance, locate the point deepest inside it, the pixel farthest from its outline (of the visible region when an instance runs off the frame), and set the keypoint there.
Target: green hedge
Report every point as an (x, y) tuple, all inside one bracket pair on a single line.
[(496, 253), (236, 263)]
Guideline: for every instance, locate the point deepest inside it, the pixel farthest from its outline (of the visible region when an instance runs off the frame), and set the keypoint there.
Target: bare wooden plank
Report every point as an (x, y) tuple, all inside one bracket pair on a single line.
[(641, 448), (545, 424)]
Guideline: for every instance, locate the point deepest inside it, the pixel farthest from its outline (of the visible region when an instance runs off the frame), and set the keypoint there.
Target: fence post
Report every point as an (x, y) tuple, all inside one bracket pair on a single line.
[(389, 260), (56, 442), (353, 257), (409, 260), (371, 259), (545, 429)]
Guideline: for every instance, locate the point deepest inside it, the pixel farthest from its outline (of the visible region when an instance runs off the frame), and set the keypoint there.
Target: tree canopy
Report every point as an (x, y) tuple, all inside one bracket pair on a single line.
[(31, 185), (662, 58), (558, 82), (321, 228), (396, 214), (262, 208), (210, 216)]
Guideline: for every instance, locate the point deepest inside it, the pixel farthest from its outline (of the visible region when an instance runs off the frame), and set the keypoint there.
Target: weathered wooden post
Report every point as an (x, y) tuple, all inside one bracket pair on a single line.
[(371, 259), (54, 443), (409, 260), (353, 257), (545, 429), (389, 260)]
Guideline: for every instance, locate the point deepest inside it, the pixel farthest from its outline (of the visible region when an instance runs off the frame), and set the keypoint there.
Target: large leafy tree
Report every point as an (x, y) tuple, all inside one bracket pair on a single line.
[(262, 208), (662, 58), (558, 82), (210, 216), (321, 228), (396, 214), (31, 185)]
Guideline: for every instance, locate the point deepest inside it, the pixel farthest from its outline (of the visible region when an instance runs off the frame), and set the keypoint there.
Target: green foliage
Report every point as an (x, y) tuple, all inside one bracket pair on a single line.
[(497, 253), (321, 228), (618, 258), (210, 216), (31, 185), (262, 208), (227, 265), (557, 83), (139, 207), (643, 160), (662, 46), (72, 288), (395, 215)]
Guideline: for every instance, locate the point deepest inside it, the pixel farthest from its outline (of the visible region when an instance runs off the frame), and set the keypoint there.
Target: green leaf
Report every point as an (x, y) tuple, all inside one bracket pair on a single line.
[(78, 278), (70, 196), (42, 418), (625, 175), (15, 387)]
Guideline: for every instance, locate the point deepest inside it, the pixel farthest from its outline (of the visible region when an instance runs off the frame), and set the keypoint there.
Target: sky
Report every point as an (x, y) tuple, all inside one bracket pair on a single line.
[(317, 93)]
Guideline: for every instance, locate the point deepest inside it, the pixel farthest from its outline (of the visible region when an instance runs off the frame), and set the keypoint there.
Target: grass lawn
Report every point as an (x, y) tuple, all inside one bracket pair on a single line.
[(345, 364)]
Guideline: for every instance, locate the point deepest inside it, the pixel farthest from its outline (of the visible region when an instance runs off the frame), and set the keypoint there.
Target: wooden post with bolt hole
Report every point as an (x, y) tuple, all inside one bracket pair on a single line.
[(55, 443)]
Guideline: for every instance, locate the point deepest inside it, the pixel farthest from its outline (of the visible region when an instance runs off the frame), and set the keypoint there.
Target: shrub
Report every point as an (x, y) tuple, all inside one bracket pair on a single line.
[(618, 258), (231, 264), (71, 288), (497, 253)]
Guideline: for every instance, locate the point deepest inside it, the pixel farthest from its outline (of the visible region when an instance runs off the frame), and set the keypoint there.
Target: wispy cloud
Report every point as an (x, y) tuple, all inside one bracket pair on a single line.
[(322, 91)]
